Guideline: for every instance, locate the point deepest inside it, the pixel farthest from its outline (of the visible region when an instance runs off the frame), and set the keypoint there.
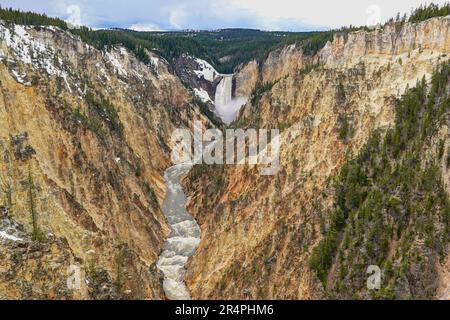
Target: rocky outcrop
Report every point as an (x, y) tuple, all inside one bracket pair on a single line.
[(281, 62), (257, 231), (201, 77), (197, 73), (246, 79), (387, 41), (346, 48)]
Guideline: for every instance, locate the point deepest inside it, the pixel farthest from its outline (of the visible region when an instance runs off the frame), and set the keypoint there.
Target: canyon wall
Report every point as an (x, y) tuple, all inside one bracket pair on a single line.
[(84, 142), (258, 232)]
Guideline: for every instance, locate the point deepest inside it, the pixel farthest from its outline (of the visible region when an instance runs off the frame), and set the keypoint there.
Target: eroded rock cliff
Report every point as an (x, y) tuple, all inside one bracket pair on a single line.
[(84, 142), (258, 232)]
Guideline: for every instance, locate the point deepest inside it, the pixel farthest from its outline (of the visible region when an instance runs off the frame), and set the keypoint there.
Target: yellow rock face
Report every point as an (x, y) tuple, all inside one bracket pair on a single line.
[(91, 128), (258, 231)]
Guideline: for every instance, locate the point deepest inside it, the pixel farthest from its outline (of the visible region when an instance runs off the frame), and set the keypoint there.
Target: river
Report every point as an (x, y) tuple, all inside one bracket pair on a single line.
[(183, 239)]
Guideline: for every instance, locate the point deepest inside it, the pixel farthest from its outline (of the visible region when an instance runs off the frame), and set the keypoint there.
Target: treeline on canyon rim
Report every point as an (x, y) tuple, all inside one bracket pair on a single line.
[(391, 208), (225, 49)]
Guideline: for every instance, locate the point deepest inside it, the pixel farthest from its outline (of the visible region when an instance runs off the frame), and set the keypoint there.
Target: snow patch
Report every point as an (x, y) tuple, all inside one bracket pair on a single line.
[(118, 67), (154, 61), (123, 51), (103, 72), (7, 236), (202, 95), (20, 78), (206, 71), (31, 51)]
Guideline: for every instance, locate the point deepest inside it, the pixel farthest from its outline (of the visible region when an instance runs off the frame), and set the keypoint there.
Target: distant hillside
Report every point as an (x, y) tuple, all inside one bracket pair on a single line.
[(225, 49)]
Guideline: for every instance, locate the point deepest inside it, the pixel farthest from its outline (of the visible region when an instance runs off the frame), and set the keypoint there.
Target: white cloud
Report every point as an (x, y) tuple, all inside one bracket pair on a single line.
[(145, 27), (328, 13), (293, 15), (176, 17), (74, 13), (374, 15)]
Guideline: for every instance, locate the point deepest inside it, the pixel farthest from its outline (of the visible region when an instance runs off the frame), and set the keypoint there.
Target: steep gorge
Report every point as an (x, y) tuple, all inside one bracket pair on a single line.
[(258, 232), (84, 142)]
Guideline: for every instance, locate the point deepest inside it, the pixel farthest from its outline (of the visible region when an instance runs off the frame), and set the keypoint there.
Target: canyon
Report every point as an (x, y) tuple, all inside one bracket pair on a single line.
[(86, 177), (87, 132)]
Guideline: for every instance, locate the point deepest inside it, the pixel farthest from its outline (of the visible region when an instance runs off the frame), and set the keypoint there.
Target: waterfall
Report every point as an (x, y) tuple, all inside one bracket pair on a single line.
[(223, 91), (226, 106)]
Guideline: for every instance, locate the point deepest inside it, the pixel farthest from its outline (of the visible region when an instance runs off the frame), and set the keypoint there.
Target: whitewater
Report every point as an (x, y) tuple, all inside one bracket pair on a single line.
[(184, 237)]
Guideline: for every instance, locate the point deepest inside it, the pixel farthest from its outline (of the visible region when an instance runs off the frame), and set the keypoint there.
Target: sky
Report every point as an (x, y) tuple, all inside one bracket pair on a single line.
[(155, 15)]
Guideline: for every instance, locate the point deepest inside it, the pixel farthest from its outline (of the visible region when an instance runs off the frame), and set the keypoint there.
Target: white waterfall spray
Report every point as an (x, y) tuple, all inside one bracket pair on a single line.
[(226, 106), (224, 90)]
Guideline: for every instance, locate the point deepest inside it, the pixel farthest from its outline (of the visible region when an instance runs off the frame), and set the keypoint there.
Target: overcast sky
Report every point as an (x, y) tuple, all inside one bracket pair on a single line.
[(290, 15)]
